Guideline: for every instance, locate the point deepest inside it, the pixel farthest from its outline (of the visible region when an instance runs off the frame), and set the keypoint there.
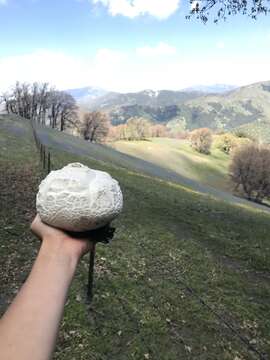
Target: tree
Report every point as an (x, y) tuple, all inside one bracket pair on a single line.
[(228, 142), (176, 128), (222, 9), (7, 100), (201, 140), (68, 113), (138, 128), (158, 130), (118, 132), (95, 126), (250, 171), (42, 104), (63, 110)]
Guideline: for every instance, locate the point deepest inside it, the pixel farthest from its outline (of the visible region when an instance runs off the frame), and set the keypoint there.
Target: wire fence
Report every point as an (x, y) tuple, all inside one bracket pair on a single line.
[(45, 154)]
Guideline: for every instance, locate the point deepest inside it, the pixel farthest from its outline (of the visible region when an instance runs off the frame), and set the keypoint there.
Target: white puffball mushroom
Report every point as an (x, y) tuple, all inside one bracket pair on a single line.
[(77, 198)]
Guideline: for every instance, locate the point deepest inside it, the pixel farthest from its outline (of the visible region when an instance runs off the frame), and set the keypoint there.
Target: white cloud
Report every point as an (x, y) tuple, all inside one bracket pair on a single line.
[(109, 57), (42, 65), (160, 9), (220, 45), (162, 49), (122, 71)]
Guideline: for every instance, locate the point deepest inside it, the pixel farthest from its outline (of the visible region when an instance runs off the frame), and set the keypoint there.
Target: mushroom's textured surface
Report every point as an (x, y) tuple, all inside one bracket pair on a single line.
[(77, 198)]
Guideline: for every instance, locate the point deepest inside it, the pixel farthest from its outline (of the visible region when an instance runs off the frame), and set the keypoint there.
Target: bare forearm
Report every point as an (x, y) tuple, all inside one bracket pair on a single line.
[(29, 327)]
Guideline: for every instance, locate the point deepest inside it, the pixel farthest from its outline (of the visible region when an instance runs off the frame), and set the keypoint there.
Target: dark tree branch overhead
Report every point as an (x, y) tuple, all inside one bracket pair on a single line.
[(222, 9)]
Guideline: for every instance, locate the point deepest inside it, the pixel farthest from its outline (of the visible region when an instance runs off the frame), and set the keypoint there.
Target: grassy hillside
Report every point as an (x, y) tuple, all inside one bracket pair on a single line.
[(186, 277), (258, 130), (178, 156)]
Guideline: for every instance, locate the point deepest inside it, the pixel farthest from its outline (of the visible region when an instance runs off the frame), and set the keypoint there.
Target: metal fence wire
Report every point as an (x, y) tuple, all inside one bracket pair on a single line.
[(45, 155)]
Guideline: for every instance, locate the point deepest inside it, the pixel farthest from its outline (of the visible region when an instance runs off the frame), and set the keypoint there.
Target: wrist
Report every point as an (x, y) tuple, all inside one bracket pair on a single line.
[(55, 249)]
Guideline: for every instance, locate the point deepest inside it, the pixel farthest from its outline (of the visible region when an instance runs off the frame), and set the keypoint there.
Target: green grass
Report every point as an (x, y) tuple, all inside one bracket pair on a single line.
[(172, 245), (178, 156)]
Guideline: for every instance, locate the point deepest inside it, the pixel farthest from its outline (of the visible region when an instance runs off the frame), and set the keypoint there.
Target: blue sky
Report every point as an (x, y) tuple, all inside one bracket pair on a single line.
[(119, 46)]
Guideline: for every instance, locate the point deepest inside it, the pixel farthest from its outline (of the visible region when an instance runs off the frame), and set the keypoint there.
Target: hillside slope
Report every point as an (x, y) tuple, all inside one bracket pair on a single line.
[(258, 130), (185, 277), (73, 145), (178, 156), (230, 110)]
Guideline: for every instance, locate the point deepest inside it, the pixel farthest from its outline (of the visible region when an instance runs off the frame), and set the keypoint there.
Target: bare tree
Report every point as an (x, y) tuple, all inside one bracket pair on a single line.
[(6, 98), (250, 171), (42, 104), (138, 129), (201, 140), (63, 110), (95, 126), (68, 112), (119, 132), (158, 130), (222, 9)]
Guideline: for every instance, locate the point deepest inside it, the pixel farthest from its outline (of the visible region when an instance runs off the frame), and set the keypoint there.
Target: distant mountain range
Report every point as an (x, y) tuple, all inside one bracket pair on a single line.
[(90, 93), (143, 98), (87, 93), (227, 108)]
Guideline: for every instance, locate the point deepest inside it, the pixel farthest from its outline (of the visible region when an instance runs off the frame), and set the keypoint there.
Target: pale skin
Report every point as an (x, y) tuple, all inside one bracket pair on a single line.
[(29, 328)]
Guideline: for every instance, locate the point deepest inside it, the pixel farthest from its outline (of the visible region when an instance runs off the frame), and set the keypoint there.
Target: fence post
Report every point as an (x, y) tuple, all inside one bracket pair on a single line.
[(41, 152), (49, 163), (44, 157), (91, 273)]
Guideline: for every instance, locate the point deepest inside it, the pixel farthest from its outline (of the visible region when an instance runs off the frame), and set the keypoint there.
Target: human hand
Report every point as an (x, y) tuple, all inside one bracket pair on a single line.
[(55, 240)]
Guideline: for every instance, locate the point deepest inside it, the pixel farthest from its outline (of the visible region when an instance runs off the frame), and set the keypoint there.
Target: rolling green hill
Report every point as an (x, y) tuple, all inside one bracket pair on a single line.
[(186, 277), (178, 156)]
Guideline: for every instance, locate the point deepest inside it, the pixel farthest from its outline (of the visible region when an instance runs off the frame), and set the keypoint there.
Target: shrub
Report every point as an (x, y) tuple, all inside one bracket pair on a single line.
[(250, 171), (201, 140), (226, 142)]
